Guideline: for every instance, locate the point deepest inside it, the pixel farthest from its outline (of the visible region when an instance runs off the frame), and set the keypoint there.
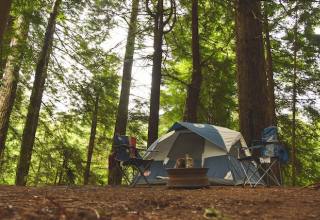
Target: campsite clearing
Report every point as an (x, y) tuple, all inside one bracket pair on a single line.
[(88, 202)]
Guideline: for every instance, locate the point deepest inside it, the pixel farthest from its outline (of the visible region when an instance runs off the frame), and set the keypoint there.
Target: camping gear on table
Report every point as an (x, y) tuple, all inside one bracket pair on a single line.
[(213, 147), (127, 155), (187, 177), (269, 154), (186, 162)]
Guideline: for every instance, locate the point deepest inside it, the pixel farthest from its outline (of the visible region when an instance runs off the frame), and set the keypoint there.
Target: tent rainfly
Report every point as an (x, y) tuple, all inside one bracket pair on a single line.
[(213, 147)]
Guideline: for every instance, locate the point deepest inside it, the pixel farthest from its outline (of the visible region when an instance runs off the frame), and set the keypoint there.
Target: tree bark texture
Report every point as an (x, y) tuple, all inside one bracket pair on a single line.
[(193, 92), (30, 128), (251, 75), (269, 71), (122, 114), (91, 141), (6, 43), (294, 102), (5, 6), (153, 122), (10, 79)]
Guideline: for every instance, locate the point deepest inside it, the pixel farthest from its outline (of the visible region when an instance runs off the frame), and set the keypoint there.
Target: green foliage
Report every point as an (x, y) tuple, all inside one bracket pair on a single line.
[(81, 69), (306, 15), (218, 100)]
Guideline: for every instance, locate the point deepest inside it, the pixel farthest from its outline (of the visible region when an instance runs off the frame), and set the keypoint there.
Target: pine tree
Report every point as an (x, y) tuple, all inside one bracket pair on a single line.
[(158, 33), (10, 80), (5, 6), (122, 114), (193, 92), (250, 70), (31, 124), (91, 140)]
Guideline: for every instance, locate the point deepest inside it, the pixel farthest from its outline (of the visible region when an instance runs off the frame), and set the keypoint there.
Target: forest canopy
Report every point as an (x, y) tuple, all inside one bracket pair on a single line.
[(74, 73)]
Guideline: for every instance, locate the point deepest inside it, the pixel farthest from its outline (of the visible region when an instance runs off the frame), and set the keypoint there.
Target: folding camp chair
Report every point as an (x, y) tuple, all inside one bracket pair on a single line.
[(125, 157), (268, 154)]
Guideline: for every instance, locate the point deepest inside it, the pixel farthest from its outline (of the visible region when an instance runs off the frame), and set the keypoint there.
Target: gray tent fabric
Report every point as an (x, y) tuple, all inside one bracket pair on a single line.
[(206, 131), (210, 146), (184, 144)]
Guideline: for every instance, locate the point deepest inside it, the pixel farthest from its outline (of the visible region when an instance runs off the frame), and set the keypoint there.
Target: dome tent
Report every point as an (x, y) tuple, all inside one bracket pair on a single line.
[(213, 147)]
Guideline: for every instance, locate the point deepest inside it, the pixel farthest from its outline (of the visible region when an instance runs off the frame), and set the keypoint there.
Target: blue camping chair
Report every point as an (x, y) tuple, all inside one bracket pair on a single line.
[(268, 153), (123, 155)]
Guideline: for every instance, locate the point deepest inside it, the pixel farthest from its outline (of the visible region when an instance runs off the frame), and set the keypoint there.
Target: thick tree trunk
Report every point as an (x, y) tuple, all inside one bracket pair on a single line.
[(250, 70), (5, 46), (156, 75), (30, 128), (269, 71), (122, 115), (5, 6), (10, 79), (91, 141), (193, 93)]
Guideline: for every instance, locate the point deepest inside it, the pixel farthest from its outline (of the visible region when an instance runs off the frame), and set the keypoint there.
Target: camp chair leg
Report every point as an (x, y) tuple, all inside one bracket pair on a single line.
[(123, 173), (246, 175), (273, 176), (138, 177), (269, 172), (265, 173), (254, 172)]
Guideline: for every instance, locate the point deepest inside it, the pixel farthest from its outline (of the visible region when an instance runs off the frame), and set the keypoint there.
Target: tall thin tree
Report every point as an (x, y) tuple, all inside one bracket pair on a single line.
[(294, 98), (158, 33), (10, 79), (91, 140), (122, 114), (193, 92), (251, 75), (269, 68), (30, 127)]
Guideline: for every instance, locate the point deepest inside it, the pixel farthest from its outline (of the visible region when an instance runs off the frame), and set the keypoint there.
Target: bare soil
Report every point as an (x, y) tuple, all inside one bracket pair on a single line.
[(92, 202)]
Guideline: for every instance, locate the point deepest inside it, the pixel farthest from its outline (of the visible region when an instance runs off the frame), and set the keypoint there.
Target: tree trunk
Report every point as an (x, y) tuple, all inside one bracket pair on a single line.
[(37, 178), (250, 70), (91, 141), (294, 101), (269, 71), (64, 166), (193, 93), (5, 6), (272, 119), (10, 79), (5, 46), (30, 128), (156, 75), (122, 115)]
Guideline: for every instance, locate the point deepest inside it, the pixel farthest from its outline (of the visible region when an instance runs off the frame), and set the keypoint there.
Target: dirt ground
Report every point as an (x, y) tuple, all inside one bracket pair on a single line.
[(91, 202)]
